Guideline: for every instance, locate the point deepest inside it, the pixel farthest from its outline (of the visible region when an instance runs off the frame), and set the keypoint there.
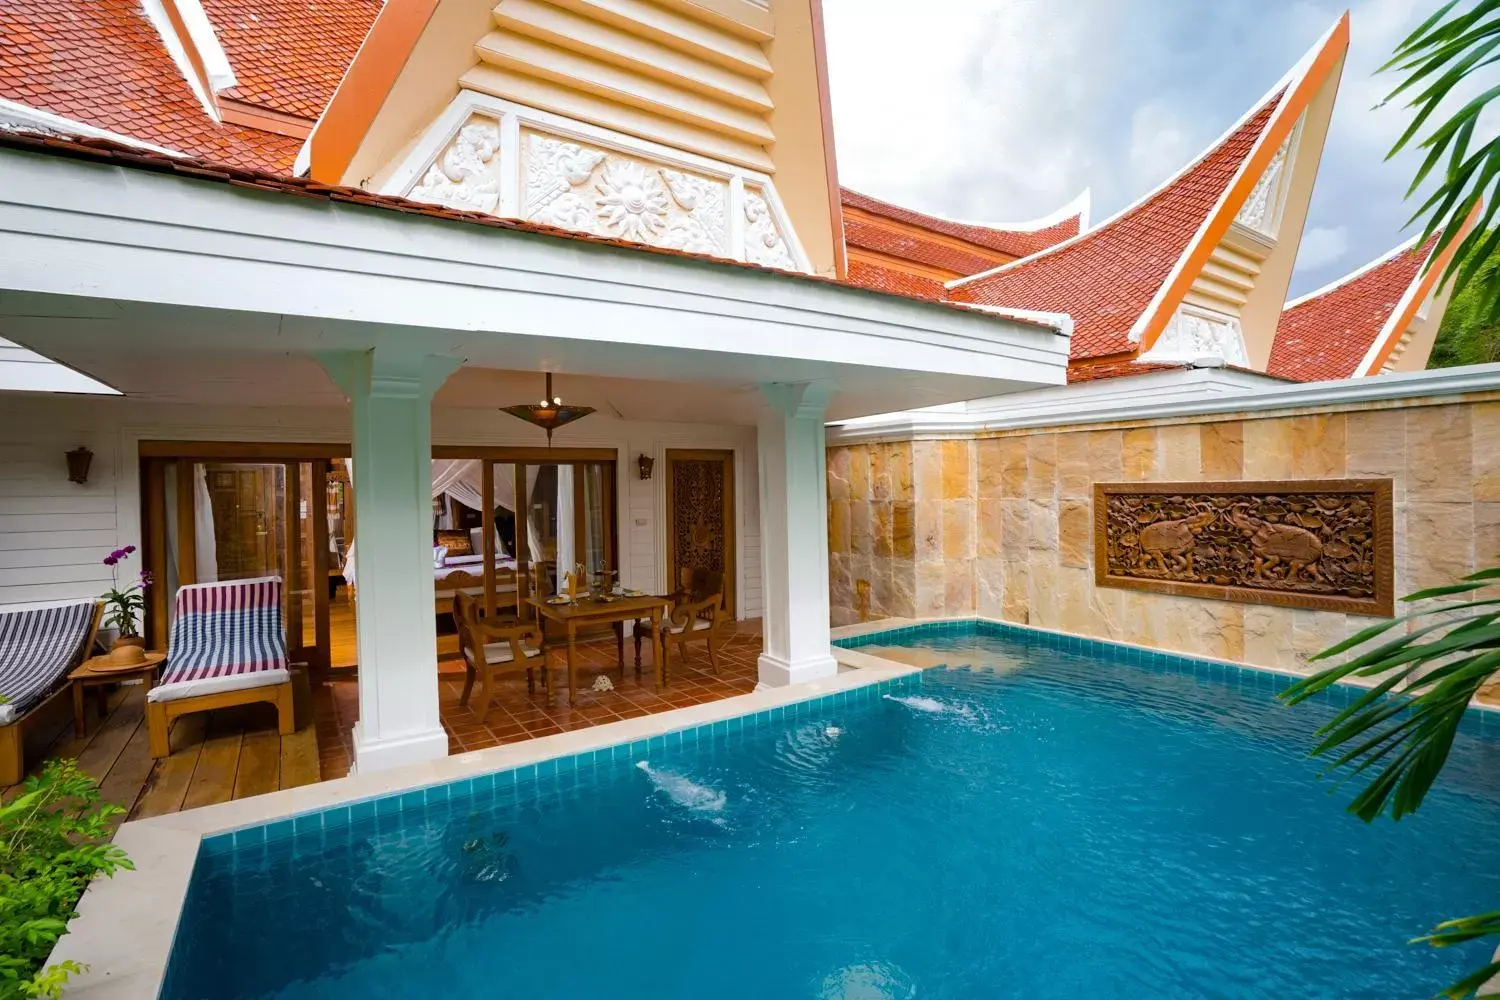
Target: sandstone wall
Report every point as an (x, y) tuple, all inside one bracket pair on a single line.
[(1002, 525)]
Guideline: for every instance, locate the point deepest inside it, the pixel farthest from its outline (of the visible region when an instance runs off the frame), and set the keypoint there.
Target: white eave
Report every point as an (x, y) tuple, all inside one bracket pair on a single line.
[(24, 370), (106, 232)]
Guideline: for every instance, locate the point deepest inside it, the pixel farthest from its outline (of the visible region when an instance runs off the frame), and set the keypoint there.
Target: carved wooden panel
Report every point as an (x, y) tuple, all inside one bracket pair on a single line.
[(700, 515), (1324, 544)]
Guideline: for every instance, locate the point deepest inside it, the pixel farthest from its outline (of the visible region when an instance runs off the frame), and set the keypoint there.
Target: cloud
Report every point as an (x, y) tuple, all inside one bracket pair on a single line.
[(1322, 246), (996, 110)]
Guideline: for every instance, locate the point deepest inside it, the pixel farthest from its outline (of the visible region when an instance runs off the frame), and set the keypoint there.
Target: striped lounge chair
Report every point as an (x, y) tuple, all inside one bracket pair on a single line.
[(226, 648), (39, 645)]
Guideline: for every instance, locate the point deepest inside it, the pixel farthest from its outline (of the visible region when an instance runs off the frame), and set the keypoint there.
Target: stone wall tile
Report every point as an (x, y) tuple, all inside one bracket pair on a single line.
[(989, 587), (1138, 454), (1268, 636), (957, 469), (958, 530), (861, 528), (1485, 431), (991, 525), (1221, 451), (881, 524), (1439, 544), (1041, 466), (927, 470), (880, 472), (1075, 533), (958, 590), (1177, 452), (1075, 478), (1376, 447), (989, 460), (1043, 608), (838, 526), (1015, 527), (1042, 517), (838, 474), (1106, 456), (932, 589), (1015, 594), (899, 468), (929, 547), (1013, 469), (859, 471), (1440, 454), (904, 530)]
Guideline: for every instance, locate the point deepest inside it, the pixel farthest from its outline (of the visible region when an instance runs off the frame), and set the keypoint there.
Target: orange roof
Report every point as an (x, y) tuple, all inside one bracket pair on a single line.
[(891, 279), (289, 55), (1106, 278), (102, 63), (1014, 241), (1326, 335)]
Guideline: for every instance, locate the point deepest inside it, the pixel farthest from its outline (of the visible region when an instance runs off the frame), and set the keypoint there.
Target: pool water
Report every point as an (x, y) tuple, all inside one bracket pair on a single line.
[(1034, 824)]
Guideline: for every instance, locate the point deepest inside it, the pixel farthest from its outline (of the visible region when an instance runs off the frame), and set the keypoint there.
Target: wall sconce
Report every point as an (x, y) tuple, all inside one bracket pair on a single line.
[(78, 465), (644, 463)]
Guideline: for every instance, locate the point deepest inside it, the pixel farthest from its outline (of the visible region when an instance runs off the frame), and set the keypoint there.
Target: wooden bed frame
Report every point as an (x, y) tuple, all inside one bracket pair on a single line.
[(13, 734)]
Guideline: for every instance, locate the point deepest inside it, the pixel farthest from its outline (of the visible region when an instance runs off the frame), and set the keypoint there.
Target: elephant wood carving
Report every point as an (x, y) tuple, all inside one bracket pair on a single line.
[(1319, 544)]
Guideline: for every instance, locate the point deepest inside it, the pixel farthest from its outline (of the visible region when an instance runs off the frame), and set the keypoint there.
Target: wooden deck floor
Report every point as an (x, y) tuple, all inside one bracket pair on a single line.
[(215, 757), (234, 753)]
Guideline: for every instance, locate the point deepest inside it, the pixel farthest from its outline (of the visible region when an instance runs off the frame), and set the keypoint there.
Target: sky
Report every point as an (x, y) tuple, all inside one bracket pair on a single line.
[(1004, 110)]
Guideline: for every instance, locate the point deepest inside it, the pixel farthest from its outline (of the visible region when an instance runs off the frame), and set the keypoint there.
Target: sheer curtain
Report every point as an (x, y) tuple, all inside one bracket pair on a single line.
[(564, 526)]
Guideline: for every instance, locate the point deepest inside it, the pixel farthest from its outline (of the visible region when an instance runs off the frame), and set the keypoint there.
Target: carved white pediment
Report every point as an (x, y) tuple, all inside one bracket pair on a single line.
[(1195, 336), (1262, 210), (489, 155)]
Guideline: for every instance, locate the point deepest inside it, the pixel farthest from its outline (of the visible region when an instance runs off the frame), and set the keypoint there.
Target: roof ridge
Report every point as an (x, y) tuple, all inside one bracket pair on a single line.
[(1077, 207), (1354, 275)]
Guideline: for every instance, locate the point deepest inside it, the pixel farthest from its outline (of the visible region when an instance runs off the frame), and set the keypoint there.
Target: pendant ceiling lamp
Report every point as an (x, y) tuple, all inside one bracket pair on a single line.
[(550, 414)]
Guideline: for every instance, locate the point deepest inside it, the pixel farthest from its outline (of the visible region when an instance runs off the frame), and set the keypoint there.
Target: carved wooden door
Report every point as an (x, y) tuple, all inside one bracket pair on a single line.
[(700, 516)]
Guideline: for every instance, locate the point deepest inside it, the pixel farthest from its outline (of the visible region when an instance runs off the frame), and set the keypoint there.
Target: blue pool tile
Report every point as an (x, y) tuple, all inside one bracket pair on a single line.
[(279, 830)]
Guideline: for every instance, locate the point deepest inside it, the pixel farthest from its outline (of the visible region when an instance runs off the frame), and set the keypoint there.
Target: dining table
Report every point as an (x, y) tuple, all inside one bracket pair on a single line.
[(573, 615)]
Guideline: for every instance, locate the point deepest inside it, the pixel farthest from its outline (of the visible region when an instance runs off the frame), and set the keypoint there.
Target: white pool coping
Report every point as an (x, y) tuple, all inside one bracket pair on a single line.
[(125, 925)]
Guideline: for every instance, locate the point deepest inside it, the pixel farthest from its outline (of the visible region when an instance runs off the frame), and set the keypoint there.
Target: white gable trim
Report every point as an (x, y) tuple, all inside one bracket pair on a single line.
[(512, 118)]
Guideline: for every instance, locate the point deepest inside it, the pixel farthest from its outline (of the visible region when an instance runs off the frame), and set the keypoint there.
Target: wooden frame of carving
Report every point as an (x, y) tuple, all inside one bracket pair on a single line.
[(1382, 604)]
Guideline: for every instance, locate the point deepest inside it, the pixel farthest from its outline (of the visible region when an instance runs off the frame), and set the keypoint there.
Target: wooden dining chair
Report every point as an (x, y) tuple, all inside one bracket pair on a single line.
[(492, 649), (698, 616)]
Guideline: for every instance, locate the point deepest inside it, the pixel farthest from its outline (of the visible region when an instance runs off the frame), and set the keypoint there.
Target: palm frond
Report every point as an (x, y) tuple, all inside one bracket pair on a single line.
[(1460, 40)]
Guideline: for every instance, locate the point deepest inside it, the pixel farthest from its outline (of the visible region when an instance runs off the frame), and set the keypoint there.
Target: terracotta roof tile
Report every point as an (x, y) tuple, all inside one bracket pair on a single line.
[(289, 55), (1327, 335), (1107, 278), (890, 279), (1011, 242), (104, 150), (101, 62), (909, 245)]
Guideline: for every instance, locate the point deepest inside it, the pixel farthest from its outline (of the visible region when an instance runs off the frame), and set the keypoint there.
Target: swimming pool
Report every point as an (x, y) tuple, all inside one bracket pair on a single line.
[(1038, 822)]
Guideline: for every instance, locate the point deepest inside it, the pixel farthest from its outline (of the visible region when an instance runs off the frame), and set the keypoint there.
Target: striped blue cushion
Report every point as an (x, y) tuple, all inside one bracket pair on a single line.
[(37, 647)]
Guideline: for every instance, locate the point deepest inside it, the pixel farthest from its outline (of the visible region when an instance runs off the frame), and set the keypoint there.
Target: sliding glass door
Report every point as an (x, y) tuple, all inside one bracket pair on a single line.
[(218, 516)]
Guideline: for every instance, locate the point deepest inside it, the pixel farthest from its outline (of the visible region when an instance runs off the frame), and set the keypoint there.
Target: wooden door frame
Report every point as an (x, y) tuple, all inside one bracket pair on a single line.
[(156, 456), (731, 539)]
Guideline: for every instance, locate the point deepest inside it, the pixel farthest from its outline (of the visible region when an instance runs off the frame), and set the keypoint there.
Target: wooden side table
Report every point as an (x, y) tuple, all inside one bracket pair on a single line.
[(100, 670)]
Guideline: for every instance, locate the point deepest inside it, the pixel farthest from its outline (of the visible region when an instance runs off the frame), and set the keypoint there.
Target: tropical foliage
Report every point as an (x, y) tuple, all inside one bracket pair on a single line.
[(1469, 335), (1440, 63), (1397, 735), (53, 841)]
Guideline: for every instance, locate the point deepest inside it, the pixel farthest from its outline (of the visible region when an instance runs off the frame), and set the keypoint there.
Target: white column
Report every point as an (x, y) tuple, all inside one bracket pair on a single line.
[(390, 401), (794, 534)]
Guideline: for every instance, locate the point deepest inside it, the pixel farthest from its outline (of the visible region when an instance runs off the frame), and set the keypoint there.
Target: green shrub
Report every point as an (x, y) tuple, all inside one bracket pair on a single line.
[(54, 838)]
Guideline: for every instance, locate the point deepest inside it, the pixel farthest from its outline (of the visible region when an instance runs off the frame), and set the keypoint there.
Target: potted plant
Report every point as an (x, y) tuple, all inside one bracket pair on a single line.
[(123, 608)]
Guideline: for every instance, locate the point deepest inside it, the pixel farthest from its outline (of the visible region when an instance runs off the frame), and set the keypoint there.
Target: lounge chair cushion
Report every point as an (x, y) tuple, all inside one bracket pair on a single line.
[(39, 643), (498, 652), (225, 637)]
